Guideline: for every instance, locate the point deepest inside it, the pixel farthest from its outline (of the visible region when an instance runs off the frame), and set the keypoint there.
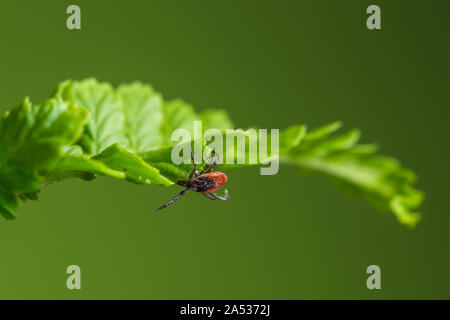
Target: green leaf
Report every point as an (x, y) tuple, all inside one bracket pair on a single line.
[(216, 119), (380, 180), (291, 137), (181, 115), (135, 169), (31, 142), (177, 115), (144, 127), (91, 129), (106, 124), (323, 131), (83, 167), (8, 201), (142, 107)]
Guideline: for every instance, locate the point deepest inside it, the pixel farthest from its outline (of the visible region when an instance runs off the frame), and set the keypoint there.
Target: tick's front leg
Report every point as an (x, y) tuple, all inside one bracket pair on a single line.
[(210, 167), (194, 171)]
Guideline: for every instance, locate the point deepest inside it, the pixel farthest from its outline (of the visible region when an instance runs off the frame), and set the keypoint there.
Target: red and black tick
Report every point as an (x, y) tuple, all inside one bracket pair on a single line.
[(205, 182)]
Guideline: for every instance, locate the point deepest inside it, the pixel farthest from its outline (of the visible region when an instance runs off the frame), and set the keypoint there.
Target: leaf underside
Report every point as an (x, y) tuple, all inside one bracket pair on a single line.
[(89, 128)]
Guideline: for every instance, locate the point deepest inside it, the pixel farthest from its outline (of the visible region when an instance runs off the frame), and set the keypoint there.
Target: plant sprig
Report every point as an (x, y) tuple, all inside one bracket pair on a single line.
[(88, 128)]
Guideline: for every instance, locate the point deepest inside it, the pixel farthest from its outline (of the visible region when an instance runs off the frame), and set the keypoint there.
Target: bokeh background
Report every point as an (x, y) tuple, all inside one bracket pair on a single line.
[(269, 63)]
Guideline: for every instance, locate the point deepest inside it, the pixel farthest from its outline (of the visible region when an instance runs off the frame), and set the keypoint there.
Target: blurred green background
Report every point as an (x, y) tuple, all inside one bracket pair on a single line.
[(269, 63)]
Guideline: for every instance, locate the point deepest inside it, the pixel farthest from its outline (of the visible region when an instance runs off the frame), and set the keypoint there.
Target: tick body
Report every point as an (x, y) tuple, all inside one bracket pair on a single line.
[(216, 180), (205, 182)]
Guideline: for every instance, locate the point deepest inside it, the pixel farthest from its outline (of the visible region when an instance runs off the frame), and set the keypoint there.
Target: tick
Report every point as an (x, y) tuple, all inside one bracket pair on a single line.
[(205, 182)]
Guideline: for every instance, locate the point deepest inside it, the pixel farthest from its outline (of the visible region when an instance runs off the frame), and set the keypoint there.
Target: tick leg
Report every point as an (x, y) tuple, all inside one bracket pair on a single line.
[(224, 198), (194, 171), (178, 196), (210, 167), (209, 196)]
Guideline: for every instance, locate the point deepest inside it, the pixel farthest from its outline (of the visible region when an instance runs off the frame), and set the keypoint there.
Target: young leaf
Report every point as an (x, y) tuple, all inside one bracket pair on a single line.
[(181, 115), (381, 180), (216, 119), (106, 124), (177, 115), (291, 137), (135, 169), (142, 108), (81, 166), (128, 136), (31, 142)]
